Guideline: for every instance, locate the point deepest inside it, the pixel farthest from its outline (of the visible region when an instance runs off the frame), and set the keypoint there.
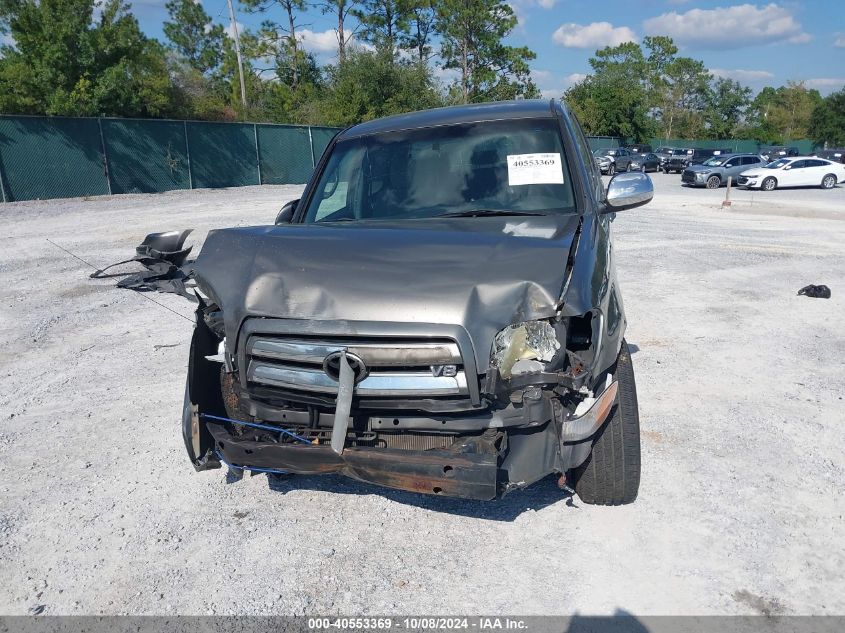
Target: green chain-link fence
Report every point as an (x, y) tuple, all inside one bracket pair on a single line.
[(57, 157)]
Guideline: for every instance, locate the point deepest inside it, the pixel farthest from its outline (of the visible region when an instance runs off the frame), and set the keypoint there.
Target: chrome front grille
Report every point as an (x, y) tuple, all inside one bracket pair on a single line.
[(395, 367)]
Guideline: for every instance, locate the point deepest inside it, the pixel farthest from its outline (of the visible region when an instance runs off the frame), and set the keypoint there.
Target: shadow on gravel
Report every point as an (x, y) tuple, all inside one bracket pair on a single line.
[(536, 497)]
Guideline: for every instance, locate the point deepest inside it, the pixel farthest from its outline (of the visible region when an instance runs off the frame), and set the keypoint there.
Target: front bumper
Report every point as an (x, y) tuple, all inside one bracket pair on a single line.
[(438, 472)]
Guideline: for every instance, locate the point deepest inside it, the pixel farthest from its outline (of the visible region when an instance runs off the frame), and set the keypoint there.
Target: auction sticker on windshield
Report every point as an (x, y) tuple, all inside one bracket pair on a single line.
[(534, 169)]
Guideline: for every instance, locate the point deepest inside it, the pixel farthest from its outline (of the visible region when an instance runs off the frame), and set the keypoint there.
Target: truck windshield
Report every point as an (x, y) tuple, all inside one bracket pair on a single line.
[(492, 167)]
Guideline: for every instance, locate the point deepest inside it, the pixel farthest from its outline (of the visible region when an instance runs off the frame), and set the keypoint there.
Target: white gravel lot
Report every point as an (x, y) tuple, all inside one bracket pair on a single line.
[(740, 383)]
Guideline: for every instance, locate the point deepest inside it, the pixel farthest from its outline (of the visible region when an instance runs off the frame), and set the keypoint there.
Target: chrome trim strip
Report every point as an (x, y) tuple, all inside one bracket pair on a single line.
[(373, 354), (376, 384)]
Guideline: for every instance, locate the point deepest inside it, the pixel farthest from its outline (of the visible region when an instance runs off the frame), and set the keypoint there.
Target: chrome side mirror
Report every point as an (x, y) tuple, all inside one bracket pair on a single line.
[(628, 190), (286, 214)]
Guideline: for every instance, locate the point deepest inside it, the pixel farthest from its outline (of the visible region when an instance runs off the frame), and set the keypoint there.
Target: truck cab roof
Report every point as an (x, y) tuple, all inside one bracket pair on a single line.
[(496, 111)]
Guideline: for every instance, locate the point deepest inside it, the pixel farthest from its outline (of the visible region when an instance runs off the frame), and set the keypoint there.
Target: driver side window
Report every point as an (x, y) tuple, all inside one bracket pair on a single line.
[(334, 196)]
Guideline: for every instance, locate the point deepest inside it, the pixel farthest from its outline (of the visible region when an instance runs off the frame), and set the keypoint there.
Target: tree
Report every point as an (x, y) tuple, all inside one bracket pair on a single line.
[(384, 24), (64, 64), (193, 35), (341, 9), (615, 99), (827, 123), (279, 39), (609, 106), (684, 97), (369, 85), (726, 104), (421, 19), (471, 34), (781, 114)]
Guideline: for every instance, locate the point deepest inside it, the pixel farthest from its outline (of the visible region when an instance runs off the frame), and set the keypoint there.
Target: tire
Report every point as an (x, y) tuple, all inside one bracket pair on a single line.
[(714, 182), (611, 474), (642, 169), (665, 171), (769, 184), (612, 169), (829, 181), (628, 168)]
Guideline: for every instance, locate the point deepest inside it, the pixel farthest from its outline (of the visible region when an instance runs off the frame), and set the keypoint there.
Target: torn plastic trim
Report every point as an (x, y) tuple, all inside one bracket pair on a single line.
[(577, 429)]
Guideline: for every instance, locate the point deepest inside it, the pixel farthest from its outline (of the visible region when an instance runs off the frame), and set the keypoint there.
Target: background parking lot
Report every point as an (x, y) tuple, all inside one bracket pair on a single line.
[(740, 383)]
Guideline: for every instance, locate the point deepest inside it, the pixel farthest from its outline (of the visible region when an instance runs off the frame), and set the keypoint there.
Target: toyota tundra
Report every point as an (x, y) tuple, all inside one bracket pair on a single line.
[(438, 313)]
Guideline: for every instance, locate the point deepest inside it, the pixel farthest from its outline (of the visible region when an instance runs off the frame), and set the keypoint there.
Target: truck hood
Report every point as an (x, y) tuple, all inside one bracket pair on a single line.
[(481, 273)]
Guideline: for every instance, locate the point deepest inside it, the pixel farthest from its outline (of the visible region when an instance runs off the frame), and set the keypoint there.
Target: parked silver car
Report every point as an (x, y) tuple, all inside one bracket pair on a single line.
[(714, 172)]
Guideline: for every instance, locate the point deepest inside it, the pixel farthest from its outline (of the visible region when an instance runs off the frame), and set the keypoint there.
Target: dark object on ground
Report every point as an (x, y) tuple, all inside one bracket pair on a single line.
[(449, 325), (165, 259), (816, 292)]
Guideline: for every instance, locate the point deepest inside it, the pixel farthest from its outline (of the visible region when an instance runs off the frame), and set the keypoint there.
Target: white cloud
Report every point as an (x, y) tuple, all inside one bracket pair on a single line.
[(743, 76), (547, 4), (541, 76), (824, 83), (318, 41), (231, 31), (552, 86), (729, 27), (447, 75), (322, 43), (840, 42), (595, 35)]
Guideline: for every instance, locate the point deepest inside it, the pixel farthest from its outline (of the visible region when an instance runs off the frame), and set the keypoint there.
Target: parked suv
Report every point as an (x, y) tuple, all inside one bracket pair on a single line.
[(681, 159), (613, 159), (774, 152), (714, 172), (439, 313), (837, 154), (639, 149), (664, 154)]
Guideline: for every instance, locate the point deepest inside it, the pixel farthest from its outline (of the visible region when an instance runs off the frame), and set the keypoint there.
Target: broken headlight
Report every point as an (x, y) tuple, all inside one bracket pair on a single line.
[(523, 348)]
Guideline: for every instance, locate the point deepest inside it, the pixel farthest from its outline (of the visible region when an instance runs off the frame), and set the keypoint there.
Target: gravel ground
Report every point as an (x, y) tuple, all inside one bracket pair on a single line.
[(740, 384)]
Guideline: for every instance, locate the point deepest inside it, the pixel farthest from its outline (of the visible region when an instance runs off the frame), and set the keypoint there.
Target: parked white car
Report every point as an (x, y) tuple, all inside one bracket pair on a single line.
[(796, 171)]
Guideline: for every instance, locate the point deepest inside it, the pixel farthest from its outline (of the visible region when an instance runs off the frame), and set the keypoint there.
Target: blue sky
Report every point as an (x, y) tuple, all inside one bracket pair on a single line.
[(758, 44)]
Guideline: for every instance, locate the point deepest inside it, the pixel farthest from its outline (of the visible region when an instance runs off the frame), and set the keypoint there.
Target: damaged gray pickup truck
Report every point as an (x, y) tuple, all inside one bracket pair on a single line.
[(438, 313)]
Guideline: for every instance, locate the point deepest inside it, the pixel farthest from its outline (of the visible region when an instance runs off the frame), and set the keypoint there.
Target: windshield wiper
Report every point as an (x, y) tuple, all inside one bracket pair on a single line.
[(474, 213)]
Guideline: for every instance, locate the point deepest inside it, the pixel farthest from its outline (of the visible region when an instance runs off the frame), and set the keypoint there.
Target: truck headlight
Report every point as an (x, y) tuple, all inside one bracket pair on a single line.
[(530, 340)]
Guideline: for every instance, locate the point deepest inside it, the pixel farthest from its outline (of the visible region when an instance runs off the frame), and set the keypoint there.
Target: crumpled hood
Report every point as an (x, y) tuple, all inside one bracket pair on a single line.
[(480, 273)]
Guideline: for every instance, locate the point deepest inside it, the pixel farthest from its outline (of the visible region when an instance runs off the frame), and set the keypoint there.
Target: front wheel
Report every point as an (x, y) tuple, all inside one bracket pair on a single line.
[(768, 184), (611, 474), (713, 182), (611, 169), (829, 181)]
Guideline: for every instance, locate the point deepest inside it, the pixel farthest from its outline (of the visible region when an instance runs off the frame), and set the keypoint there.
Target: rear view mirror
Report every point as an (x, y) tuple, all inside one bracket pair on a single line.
[(286, 214), (628, 190)]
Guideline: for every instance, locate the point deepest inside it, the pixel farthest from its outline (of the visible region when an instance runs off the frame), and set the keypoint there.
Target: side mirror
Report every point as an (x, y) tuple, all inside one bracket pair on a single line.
[(628, 190), (286, 214)]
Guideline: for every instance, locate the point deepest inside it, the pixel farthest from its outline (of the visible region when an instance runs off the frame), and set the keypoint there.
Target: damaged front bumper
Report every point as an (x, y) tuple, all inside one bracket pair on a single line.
[(480, 466), (440, 472)]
